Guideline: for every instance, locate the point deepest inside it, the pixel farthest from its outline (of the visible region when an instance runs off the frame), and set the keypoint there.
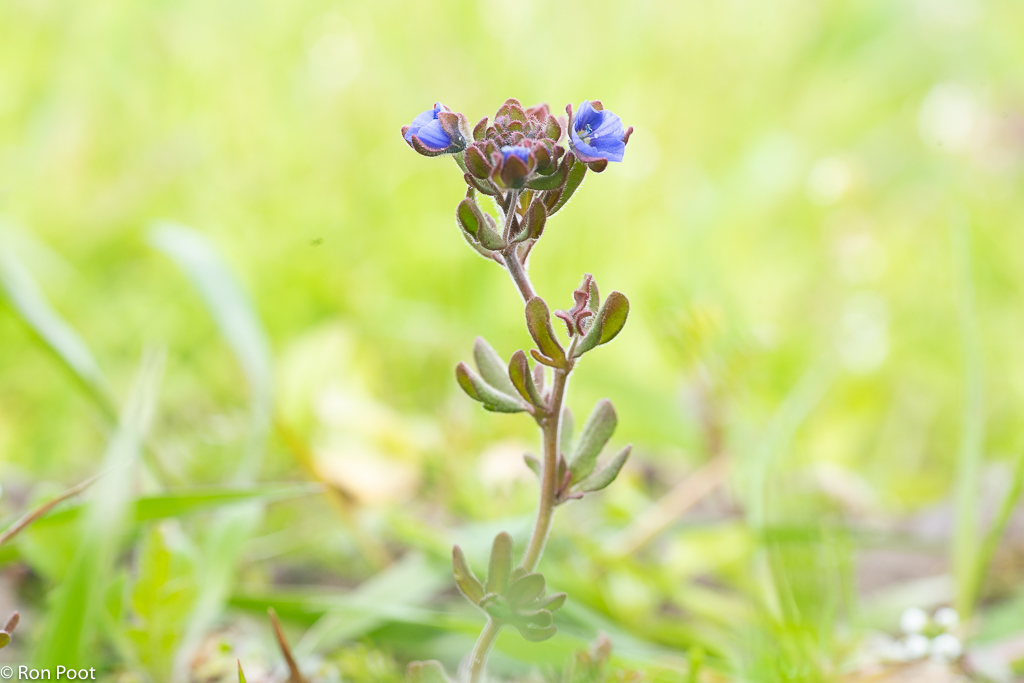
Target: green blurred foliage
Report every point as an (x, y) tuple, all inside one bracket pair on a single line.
[(781, 225)]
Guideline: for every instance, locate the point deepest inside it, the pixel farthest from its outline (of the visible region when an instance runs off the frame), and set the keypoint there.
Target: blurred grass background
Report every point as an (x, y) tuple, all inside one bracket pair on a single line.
[(810, 191)]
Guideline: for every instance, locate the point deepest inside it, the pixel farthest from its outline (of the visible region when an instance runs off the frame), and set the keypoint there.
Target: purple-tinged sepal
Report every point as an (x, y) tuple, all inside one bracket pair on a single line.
[(605, 325), (596, 136), (437, 131), (587, 302)]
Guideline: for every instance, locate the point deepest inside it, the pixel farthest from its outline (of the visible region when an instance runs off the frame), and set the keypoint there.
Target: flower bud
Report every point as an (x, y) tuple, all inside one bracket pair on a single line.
[(437, 131)]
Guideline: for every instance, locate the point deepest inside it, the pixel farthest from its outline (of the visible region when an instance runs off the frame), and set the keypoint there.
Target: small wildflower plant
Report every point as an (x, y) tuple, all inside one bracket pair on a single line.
[(520, 161)]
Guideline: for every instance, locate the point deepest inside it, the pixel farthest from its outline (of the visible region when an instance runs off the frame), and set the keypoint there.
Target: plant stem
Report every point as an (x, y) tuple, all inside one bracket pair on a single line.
[(518, 273), (510, 214), (546, 508), (551, 426), (482, 649)]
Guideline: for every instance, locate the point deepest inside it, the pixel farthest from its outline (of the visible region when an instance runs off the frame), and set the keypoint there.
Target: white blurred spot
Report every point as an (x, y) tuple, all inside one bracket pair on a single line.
[(913, 620), (947, 617), (950, 117), (862, 337), (916, 646), (828, 180), (946, 648)]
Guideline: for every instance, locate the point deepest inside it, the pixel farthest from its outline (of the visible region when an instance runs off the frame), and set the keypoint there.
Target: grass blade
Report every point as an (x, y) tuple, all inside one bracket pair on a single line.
[(31, 516), (990, 542), (238, 323), (183, 502), (236, 319), (27, 300), (964, 550), (74, 617)]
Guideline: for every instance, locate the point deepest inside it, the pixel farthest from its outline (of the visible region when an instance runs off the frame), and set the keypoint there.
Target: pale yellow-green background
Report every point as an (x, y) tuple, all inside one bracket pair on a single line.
[(784, 213)]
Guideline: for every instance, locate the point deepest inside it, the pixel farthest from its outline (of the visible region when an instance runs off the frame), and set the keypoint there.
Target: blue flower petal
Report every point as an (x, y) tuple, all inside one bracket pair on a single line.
[(586, 115), (611, 152), (433, 136), (597, 134), (517, 151), (426, 126)]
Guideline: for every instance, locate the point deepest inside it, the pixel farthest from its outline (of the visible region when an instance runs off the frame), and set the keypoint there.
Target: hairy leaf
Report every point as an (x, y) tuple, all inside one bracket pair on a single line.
[(595, 434), (606, 475)]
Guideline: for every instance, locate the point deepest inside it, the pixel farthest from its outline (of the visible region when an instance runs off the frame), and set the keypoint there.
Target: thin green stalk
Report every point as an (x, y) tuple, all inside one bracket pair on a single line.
[(483, 648), (995, 533), (966, 547)]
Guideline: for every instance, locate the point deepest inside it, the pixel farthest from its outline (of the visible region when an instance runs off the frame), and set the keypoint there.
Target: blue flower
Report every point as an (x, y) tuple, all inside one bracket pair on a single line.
[(597, 134), (428, 129), (522, 153)]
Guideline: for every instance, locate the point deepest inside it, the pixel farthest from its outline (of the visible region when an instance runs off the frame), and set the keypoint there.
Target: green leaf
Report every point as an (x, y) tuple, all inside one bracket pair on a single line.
[(28, 302), (464, 577), (605, 476), (565, 435), (535, 634), (500, 568), (489, 234), (613, 316), (572, 181), (522, 379), (552, 602), (479, 390), (76, 607), (525, 590), (241, 674), (538, 618), (549, 182), (161, 596), (469, 216), (595, 434), (533, 463), (430, 671), (182, 502), (533, 221), (538, 320), (607, 323), (492, 368), (399, 591)]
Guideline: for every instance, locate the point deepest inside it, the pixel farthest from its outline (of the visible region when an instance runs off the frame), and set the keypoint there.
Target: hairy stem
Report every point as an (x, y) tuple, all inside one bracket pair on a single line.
[(546, 508), (551, 425), (518, 273), (510, 214), (482, 649)]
